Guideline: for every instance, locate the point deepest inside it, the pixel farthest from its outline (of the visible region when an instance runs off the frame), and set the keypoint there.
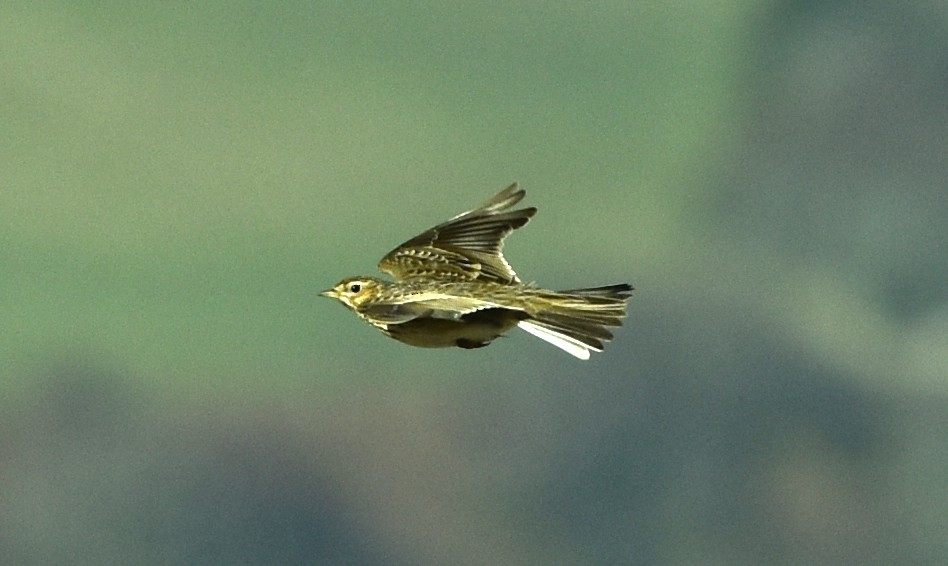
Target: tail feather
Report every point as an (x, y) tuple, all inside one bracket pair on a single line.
[(577, 320), (620, 291), (579, 326), (566, 343)]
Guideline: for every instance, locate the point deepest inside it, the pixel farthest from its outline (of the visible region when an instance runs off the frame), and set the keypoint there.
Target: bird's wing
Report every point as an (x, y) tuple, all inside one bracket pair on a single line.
[(431, 304), (465, 248)]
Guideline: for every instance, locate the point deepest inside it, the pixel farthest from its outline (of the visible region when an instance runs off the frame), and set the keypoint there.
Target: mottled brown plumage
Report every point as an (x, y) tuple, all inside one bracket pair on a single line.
[(465, 248), (453, 287)]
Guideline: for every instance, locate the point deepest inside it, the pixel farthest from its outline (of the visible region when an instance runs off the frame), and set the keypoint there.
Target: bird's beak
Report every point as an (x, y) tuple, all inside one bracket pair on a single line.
[(331, 293)]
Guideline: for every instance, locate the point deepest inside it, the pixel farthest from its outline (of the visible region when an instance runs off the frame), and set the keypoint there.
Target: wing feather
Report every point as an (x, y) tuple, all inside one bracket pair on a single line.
[(465, 248), (431, 304)]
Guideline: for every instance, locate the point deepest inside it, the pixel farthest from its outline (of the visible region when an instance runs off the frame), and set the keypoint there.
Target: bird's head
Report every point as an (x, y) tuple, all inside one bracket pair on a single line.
[(353, 291)]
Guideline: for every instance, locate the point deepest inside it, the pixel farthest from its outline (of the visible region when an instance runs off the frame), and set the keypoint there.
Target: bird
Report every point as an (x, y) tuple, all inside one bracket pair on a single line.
[(452, 287)]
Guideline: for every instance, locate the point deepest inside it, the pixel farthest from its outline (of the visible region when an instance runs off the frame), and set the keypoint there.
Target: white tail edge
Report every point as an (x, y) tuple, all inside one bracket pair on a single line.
[(561, 341)]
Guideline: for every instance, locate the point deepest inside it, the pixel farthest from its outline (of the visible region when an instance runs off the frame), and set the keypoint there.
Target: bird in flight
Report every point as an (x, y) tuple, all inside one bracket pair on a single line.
[(453, 287)]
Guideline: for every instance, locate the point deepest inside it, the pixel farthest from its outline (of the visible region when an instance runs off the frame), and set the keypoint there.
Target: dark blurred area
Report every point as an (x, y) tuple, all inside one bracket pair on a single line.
[(181, 183)]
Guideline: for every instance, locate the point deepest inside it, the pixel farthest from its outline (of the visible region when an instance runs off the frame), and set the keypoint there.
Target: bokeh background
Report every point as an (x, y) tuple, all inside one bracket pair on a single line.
[(179, 180)]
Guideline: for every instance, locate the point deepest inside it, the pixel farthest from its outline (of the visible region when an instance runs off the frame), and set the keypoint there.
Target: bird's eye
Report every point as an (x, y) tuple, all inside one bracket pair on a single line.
[(355, 287)]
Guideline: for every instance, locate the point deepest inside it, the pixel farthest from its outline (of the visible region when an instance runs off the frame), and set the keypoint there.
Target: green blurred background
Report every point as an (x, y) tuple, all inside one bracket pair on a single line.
[(180, 179)]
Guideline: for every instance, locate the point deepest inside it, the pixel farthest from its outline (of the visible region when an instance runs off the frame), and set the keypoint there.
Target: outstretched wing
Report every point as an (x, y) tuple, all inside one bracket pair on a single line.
[(466, 247)]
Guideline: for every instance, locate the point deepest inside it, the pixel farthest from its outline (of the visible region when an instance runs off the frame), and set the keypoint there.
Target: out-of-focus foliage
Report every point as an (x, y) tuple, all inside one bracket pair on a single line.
[(179, 181)]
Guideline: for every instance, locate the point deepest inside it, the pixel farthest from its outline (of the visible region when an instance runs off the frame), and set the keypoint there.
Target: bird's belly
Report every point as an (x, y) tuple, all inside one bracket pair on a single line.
[(468, 332)]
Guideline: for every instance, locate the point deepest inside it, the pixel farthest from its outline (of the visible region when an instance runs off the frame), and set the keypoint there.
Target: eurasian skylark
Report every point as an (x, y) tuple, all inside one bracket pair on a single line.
[(453, 287)]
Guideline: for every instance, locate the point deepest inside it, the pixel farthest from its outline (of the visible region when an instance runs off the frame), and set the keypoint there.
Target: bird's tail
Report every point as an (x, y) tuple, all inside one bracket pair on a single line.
[(577, 320)]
